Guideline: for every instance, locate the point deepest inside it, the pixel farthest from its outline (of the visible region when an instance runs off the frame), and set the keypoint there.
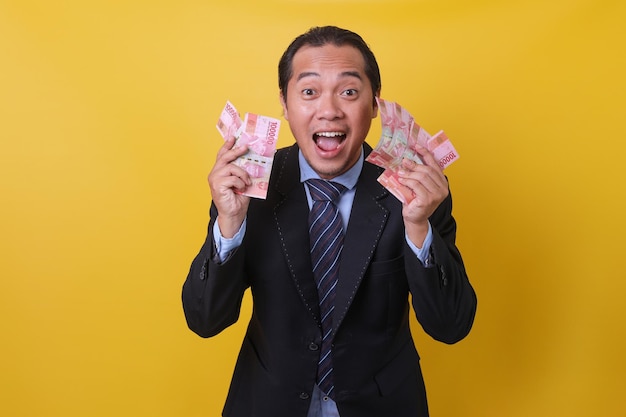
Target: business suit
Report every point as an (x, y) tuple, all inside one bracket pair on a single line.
[(376, 366)]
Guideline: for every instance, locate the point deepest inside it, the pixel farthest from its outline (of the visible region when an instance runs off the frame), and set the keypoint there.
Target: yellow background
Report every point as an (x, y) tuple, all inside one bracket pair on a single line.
[(107, 115)]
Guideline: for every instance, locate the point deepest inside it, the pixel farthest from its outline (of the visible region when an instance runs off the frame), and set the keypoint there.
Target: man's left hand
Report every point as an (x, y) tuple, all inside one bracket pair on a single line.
[(430, 188)]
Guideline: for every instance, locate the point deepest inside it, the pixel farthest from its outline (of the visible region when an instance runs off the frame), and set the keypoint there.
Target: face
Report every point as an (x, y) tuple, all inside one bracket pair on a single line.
[(329, 106)]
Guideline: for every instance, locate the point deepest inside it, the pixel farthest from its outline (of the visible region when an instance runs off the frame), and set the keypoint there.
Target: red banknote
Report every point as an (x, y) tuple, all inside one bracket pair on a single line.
[(259, 134), (399, 138)]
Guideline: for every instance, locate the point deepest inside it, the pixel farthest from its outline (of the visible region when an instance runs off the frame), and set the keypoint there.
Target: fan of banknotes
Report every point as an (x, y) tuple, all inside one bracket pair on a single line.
[(260, 134), (399, 137)]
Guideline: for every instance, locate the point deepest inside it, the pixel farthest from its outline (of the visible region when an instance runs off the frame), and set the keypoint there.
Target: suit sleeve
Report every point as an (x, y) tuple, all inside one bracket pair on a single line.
[(443, 298), (213, 291)]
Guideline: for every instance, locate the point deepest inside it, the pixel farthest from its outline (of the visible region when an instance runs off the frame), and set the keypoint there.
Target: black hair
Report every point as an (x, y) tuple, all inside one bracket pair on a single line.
[(323, 35)]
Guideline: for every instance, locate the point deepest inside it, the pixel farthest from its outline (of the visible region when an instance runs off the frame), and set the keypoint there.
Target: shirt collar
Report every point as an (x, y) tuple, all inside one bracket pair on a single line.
[(348, 179)]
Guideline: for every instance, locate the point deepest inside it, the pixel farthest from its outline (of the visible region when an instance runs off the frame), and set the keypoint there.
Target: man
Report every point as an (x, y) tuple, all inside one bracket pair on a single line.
[(356, 357)]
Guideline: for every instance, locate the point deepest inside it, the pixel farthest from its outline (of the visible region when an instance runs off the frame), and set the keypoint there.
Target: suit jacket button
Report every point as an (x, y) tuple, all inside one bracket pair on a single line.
[(304, 396), (313, 346)]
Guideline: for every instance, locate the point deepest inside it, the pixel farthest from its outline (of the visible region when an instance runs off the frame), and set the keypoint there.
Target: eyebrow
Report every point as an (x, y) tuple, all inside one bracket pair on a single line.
[(355, 74)]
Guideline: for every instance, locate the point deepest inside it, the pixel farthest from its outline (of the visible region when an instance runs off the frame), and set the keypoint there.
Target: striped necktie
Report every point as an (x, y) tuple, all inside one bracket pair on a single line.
[(326, 237)]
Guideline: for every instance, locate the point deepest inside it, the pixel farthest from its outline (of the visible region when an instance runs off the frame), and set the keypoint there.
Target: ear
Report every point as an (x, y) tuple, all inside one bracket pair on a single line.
[(375, 109), (283, 102)]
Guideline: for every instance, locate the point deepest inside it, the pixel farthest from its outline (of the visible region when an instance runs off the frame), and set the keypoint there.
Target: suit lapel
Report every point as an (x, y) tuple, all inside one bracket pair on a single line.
[(289, 212), (367, 221)]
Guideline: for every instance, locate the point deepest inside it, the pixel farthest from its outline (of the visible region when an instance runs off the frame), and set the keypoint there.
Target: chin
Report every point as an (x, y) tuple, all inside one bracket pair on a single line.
[(328, 171)]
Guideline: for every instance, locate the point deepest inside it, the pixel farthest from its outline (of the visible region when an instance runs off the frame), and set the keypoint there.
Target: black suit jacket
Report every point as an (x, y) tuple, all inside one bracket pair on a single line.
[(376, 366)]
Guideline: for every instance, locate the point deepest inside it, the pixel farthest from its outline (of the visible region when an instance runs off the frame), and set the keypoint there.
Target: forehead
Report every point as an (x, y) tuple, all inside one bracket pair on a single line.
[(327, 60)]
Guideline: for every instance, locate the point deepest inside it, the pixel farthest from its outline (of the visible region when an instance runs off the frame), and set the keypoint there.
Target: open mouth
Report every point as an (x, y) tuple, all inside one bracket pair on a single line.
[(329, 141)]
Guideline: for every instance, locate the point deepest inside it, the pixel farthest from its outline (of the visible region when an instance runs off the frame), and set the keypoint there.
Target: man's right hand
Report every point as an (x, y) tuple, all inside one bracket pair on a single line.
[(224, 179)]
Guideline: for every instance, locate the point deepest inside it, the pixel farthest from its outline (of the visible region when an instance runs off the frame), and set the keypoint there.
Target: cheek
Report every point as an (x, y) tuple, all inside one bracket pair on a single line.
[(364, 125), (299, 130), (298, 121)]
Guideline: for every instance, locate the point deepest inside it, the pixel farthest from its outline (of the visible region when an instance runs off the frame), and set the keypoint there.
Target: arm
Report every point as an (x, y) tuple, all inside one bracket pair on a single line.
[(214, 289), (443, 299)]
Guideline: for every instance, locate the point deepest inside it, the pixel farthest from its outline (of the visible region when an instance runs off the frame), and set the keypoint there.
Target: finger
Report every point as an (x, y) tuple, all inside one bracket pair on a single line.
[(430, 177), (428, 193), (427, 157), (232, 182), (425, 187), (230, 171), (226, 146), (229, 152)]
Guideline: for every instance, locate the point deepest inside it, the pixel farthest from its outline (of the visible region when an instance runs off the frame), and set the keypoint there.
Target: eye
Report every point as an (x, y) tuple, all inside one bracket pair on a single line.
[(308, 92), (350, 92)]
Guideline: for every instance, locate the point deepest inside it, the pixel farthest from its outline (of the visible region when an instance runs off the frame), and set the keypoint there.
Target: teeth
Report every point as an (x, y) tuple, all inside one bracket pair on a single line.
[(329, 134)]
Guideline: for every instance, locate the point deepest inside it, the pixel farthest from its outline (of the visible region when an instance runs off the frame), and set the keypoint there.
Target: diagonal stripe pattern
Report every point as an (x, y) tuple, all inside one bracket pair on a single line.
[(326, 237)]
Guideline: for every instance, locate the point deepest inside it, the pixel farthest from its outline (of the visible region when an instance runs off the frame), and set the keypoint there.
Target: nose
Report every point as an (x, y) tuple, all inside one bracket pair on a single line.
[(329, 107)]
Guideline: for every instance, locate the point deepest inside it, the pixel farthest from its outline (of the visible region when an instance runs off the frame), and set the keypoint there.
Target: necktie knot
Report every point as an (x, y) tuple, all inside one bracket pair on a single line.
[(323, 190)]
